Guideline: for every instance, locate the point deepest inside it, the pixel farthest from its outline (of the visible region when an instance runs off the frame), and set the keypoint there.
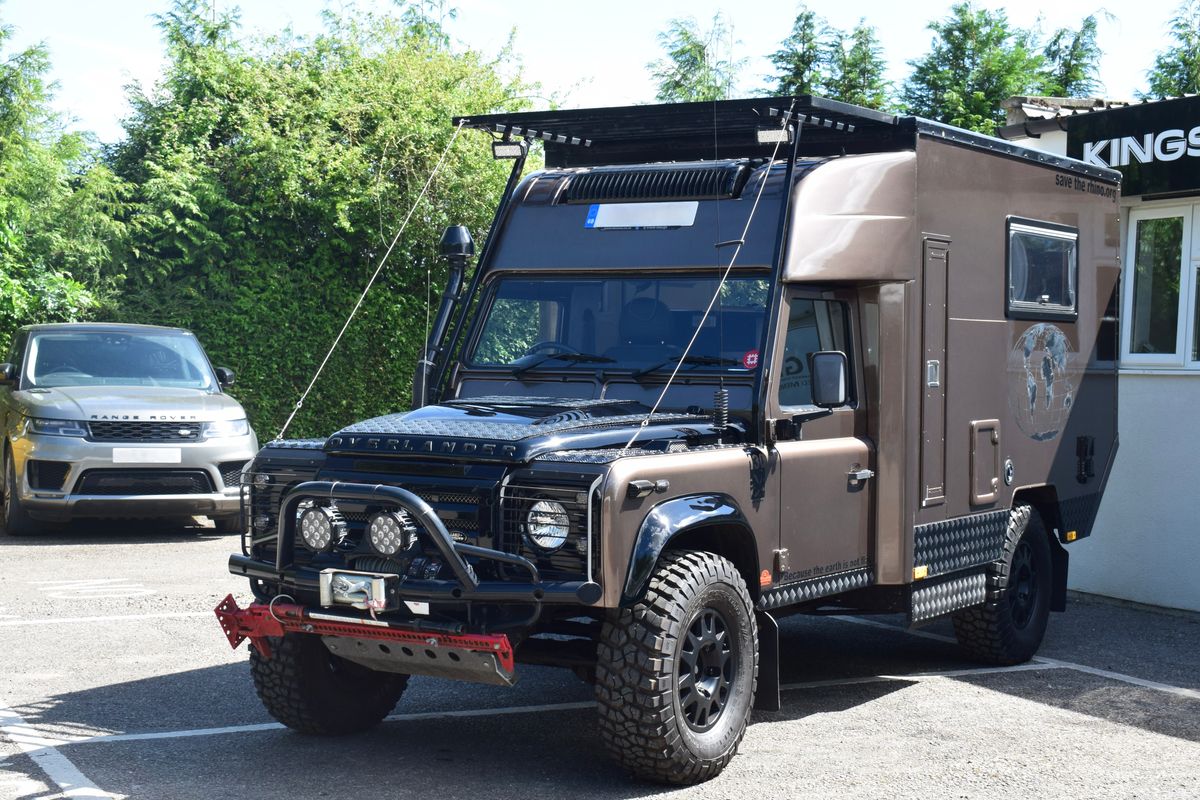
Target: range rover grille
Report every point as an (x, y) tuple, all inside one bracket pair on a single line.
[(144, 431), (115, 482)]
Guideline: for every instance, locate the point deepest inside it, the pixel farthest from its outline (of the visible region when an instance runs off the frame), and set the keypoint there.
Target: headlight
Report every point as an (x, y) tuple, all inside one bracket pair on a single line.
[(226, 428), (547, 525), (57, 427), (390, 532), (320, 528)]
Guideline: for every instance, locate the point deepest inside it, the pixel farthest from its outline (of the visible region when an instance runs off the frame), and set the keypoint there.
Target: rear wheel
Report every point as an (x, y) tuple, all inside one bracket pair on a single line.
[(311, 690), (676, 673), (17, 521), (1009, 627)]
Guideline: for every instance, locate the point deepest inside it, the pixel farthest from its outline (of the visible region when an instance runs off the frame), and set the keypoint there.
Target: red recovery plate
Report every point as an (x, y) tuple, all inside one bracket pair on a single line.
[(261, 620)]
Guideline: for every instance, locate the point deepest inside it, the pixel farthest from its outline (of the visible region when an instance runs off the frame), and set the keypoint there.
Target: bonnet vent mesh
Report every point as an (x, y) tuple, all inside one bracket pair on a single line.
[(662, 183)]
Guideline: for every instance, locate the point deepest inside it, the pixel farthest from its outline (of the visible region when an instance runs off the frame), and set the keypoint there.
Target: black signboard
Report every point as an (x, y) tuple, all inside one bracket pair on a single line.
[(1156, 146)]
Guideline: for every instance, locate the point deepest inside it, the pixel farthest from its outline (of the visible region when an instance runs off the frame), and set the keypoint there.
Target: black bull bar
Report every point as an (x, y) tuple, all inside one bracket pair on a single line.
[(466, 586)]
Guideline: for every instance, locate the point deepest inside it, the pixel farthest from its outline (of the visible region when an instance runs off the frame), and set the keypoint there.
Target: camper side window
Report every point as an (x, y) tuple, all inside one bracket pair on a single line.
[(813, 325), (1043, 265)]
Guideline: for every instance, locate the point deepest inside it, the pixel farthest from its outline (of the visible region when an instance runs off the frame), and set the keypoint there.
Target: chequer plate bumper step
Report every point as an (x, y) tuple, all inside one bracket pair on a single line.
[(936, 598)]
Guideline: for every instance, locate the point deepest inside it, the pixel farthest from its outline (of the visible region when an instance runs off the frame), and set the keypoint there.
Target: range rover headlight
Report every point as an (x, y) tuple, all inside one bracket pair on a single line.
[(320, 528), (547, 525), (225, 429), (390, 532), (57, 427)]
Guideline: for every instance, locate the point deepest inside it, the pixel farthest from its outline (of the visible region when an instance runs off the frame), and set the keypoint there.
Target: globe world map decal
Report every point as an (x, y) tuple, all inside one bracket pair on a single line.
[(1041, 381)]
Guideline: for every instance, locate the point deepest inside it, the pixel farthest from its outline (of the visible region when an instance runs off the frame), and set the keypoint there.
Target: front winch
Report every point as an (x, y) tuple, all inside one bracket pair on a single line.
[(483, 658)]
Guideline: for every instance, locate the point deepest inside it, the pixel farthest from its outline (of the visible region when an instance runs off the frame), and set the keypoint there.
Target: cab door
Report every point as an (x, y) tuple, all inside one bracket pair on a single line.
[(826, 481)]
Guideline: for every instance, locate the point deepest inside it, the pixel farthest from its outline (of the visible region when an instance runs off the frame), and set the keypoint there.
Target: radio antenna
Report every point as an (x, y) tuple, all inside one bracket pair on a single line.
[(738, 243), (378, 269)]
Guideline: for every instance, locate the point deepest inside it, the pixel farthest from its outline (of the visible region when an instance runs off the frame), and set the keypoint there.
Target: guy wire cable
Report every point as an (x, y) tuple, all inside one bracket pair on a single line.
[(786, 118), (337, 340)]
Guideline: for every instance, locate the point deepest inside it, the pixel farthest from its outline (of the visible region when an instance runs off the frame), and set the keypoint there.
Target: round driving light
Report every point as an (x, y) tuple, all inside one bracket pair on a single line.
[(320, 528), (390, 532), (547, 525)]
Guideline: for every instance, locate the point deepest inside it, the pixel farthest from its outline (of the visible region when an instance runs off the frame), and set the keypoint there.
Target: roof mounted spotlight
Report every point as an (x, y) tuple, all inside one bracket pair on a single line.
[(774, 135), (508, 148)]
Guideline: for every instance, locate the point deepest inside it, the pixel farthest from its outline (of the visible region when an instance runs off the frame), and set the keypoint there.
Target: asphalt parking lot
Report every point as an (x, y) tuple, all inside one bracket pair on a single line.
[(115, 681)]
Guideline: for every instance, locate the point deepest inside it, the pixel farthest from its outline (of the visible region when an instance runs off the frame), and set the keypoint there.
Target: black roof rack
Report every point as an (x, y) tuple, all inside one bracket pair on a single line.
[(721, 129), (728, 129)]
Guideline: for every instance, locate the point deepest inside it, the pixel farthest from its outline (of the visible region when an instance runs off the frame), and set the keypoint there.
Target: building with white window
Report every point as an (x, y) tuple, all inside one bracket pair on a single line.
[(1146, 542)]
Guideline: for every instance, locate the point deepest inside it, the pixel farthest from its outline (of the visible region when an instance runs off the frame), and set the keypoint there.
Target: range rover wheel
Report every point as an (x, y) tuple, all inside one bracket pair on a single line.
[(17, 521), (227, 524), (1009, 627), (312, 691), (676, 673)]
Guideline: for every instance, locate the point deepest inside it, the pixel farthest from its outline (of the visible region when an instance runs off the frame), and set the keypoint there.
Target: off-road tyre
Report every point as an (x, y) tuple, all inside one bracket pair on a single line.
[(647, 712), (312, 691), (1008, 628), (17, 521)]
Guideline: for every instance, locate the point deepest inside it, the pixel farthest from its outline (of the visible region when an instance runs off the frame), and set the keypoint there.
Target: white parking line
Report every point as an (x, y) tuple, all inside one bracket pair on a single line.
[(114, 618), (58, 768), (917, 677), (1132, 680), (272, 726)]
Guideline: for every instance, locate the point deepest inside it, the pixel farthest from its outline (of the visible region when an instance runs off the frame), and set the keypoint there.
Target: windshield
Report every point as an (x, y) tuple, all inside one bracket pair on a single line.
[(116, 358), (637, 323)]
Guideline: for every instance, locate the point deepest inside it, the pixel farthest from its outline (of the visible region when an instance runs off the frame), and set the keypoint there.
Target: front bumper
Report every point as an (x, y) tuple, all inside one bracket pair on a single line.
[(85, 456), (466, 585)]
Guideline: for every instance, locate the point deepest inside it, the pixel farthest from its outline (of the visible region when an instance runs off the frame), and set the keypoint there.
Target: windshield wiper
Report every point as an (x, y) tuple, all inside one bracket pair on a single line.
[(707, 361), (574, 358)]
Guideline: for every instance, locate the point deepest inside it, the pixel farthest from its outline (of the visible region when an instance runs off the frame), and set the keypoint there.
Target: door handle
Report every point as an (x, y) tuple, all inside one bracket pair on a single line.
[(859, 474)]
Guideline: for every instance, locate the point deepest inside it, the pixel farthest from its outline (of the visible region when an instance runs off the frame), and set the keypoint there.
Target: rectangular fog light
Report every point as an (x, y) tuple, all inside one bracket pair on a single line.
[(507, 149)]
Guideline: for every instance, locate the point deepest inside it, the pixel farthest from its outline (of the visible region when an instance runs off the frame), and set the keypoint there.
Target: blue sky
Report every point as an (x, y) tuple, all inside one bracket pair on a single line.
[(588, 54)]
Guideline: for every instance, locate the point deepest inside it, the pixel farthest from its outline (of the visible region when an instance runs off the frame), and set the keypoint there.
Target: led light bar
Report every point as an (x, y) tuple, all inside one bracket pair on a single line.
[(774, 135), (507, 149)]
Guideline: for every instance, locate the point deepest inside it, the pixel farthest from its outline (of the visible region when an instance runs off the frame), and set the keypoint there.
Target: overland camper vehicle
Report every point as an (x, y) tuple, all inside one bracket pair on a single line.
[(717, 362)]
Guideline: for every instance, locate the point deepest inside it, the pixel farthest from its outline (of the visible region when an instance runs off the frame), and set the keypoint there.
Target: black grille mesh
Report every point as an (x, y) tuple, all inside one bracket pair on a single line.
[(48, 475), (704, 183), (143, 431), (231, 472), (138, 482)]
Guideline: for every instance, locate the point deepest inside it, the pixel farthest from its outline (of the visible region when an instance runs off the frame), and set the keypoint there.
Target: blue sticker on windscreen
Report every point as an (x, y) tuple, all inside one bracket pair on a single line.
[(593, 212)]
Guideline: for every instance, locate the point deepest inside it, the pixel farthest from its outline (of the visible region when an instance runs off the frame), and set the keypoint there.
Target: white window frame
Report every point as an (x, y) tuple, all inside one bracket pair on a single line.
[(1181, 358)]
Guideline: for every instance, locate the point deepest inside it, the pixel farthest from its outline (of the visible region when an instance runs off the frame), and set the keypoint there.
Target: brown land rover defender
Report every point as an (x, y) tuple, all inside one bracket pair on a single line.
[(716, 362)]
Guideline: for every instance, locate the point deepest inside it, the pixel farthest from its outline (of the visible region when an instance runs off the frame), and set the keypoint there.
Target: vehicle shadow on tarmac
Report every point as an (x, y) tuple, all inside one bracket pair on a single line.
[(558, 748)]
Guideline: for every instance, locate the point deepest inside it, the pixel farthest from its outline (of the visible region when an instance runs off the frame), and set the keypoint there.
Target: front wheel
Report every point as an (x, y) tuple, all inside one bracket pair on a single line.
[(1008, 628), (311, 690), (17, 521), (676, 673)]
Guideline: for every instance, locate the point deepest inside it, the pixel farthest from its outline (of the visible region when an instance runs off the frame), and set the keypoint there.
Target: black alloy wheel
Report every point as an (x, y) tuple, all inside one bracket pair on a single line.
[(17, 521), (1022, 590), (707, 664)]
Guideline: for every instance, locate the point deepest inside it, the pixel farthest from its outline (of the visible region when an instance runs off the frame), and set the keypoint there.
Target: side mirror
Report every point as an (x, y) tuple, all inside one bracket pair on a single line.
[(829, 369), (224, 376), (8, 374)]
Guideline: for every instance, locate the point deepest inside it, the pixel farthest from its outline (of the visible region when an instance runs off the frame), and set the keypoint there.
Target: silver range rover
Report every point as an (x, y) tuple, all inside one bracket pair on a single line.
[(104, 420)]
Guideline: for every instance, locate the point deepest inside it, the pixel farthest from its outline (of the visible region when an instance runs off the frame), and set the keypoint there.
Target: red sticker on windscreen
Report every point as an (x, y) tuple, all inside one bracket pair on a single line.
[(750, 360)]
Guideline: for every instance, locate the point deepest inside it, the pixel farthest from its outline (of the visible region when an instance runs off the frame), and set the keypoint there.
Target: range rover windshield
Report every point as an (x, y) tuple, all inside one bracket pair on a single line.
[(116, 358), (637, 323)]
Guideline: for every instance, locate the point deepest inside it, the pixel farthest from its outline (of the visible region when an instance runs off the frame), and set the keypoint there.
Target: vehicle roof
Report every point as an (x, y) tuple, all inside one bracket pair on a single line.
[(84, 327), (726, 129)]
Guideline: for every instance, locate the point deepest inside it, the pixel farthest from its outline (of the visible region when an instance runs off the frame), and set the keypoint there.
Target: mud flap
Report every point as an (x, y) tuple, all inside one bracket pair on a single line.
[(767, 697)]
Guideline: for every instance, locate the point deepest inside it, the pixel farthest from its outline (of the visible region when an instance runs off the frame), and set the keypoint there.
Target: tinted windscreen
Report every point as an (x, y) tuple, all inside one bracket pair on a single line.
[(117, 358), (635, 323)]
